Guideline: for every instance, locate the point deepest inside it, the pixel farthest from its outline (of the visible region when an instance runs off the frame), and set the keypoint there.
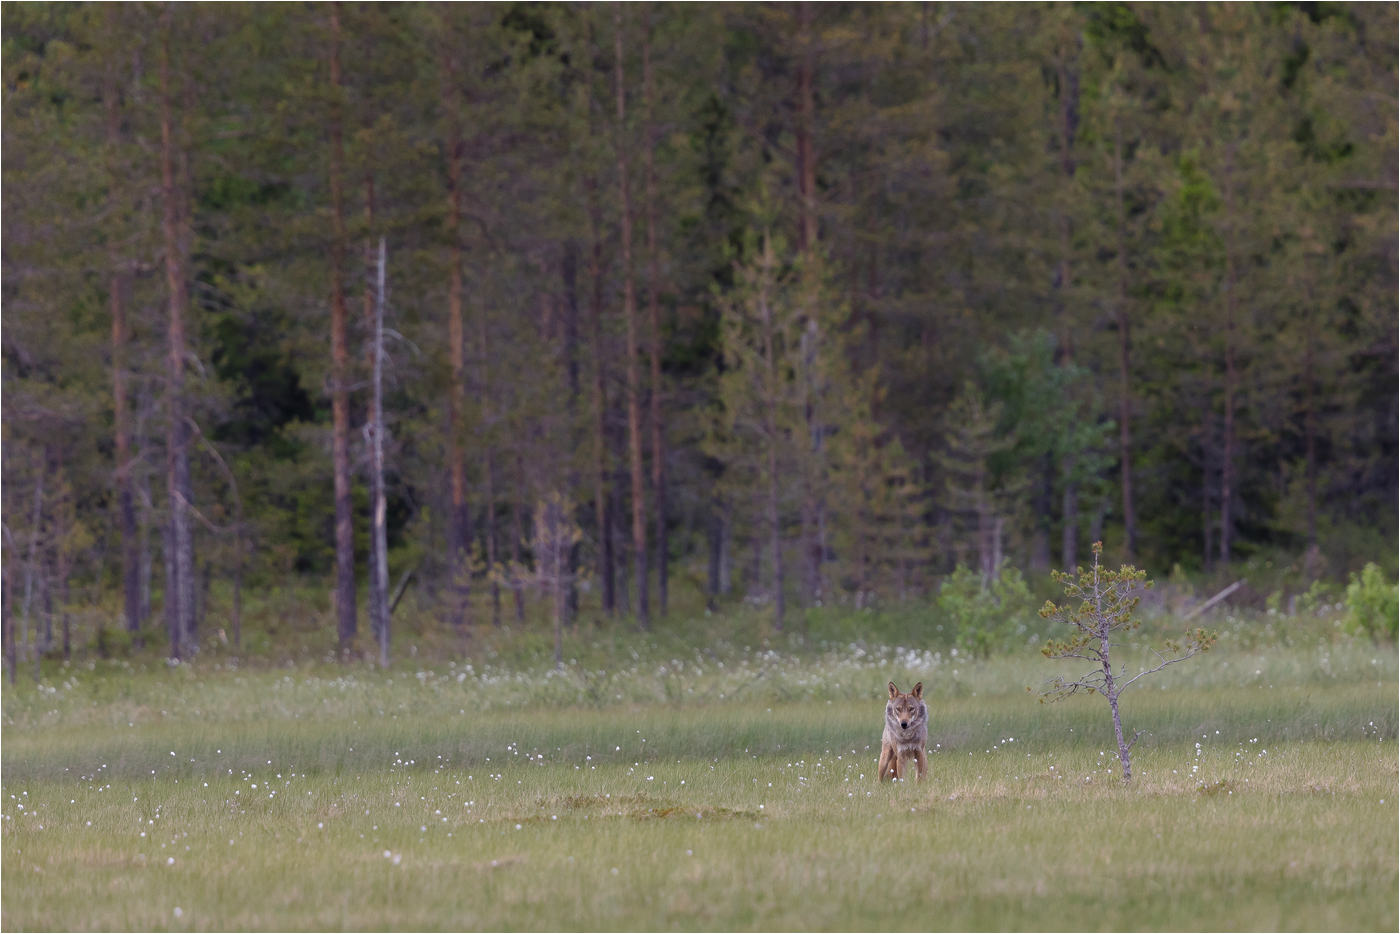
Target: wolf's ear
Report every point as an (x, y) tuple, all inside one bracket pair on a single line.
[(918, 690), (894, 691)]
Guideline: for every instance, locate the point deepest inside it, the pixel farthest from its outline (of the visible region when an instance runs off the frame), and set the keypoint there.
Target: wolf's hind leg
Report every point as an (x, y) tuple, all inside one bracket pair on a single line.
[(887, 760)]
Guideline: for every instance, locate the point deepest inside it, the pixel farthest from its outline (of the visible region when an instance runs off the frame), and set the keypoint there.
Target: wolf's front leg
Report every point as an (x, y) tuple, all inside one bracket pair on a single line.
[(888, 758), (921, 760)]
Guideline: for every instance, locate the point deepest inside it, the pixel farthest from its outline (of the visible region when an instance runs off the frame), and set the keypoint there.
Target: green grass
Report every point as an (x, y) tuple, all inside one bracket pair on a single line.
[(727, 816), (724, 771)]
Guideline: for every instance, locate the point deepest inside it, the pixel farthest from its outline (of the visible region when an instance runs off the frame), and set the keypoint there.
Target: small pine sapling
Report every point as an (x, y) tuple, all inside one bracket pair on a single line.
[(1106, 604)]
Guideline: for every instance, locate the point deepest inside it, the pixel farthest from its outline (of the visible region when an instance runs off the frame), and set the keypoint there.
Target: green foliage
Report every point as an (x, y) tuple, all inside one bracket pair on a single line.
[(1373, 604), (984, 612), (1106, 603)]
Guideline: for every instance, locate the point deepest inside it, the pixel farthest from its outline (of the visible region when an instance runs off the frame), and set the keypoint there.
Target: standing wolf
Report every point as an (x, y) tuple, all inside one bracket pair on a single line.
[(906, 733)]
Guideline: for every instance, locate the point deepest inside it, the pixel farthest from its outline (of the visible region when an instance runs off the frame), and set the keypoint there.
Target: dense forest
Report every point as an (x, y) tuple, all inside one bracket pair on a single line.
[(586, 305)]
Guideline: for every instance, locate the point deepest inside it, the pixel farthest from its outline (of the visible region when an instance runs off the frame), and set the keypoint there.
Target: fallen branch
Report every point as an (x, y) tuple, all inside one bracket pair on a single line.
[(1215, 599), (398, 591)]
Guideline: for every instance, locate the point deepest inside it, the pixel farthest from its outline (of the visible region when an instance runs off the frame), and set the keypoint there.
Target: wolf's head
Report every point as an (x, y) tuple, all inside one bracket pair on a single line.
[(907, 710)]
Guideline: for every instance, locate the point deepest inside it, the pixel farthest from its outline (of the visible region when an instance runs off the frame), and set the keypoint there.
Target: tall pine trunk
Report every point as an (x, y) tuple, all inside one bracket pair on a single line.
[(806, 172), (119, 285), (1069, 123), (600, 410), (488, 533), (176, 457), (340, 360), (806, 116), (658, 452), (629, 312), (459, 520), (569, 274), (771, 389)]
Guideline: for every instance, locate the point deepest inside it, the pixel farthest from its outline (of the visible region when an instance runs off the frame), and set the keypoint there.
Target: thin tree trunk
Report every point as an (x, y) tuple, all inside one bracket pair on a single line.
[(517, 533), (805, 148), (371, 310), (45, 579), (459, 521), (146, 560), (1069, 120), (33, 551), (340, 361), (237, 620), (629, 312), (1069, 511), (1124, 397), (986, 558), (1206, 513), (569, 274), (771, 386), (380, 592), (239, 530), (1227, 467), (658, 452), (715, 534), (119, 279), (8, 608), (1310, 436), (600, 401), (171, 609), (177, 457)]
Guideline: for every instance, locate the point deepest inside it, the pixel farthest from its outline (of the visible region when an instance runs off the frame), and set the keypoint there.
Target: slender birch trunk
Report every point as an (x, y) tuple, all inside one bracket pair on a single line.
[(372, 350), (177, 457)]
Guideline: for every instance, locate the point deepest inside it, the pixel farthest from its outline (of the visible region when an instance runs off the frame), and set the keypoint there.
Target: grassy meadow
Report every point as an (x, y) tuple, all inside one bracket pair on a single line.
[(706, 776)]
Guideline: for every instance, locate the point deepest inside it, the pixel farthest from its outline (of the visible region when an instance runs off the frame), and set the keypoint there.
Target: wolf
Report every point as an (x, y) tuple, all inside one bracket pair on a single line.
[(906, 733)]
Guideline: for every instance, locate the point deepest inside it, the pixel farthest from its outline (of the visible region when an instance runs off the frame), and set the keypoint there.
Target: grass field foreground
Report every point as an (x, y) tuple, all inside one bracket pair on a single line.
[(733, 816)]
